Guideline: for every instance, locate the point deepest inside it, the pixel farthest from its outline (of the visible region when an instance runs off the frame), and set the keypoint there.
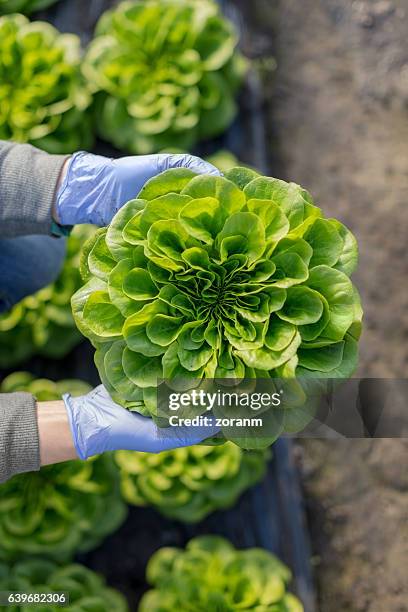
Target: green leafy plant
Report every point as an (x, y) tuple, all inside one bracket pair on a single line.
[(224, 160), (24, 6), (43, 389), (42, 324), (85, 589), (64, 508), (166, 72), (46, 105), (187, 484), (218, 277), (212, 575)]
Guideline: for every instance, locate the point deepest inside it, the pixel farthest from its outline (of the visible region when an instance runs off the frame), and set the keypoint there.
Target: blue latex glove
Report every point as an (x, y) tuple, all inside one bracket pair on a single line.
[(99, 425), (95, 188)]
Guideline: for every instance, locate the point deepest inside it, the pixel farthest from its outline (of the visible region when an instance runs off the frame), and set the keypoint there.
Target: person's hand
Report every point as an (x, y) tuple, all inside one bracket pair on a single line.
[(98, 425), (93, 188)]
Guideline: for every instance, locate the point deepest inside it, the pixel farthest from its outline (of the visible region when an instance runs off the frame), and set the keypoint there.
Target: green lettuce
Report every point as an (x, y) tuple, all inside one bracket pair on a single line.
[(24, 6), (43, 389), (64, 508), (165, 72), (187, 484), (46, 105), (212, 575), (42, 324), (85, 589), (218, 277), (225, 160)]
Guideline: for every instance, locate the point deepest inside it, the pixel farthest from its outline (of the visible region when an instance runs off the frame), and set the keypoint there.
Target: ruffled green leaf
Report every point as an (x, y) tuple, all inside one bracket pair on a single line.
[(241, 176), (302, 306), (203, 218), (337, 288), (100, 261), (101, 316), (119, 248), (142, 371), (163, 329), (135, 330), (348, 259), (326, 242), (243, 233), (323, 359), (113, 364), (138, 285)]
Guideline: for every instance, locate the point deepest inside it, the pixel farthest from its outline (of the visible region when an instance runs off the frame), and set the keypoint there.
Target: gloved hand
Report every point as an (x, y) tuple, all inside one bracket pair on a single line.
[(98, 425), (94, 188)]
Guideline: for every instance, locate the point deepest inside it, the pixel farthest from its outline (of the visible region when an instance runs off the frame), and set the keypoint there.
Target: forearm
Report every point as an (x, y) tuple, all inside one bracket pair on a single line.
[(55, 436), (29, 180), (32, 434)]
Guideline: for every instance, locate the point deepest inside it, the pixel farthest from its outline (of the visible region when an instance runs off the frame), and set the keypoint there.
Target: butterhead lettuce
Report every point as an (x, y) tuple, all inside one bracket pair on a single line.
[(43, 96), (84, 589), (210, 574), (228, 277), (187, 484), (24, 6), (165, 73)]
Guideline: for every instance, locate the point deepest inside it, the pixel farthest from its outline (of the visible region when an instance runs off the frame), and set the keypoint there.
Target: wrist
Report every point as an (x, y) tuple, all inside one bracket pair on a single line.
[(83, 194), (55, 437), (60, 182), (85, 424)]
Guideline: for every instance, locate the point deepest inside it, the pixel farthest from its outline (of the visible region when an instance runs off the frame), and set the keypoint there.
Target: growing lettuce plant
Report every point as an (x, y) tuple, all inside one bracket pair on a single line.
[(24, 6), (212, 575), (187, 484), (46, 105), (166, 71), (86, 590), (224, 160), (42, 324), (64, 508), (218, 277), (43, 389)]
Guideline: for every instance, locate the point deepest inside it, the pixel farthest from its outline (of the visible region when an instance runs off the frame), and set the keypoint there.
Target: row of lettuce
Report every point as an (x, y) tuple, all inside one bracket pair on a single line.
[(157, 74), (48, 517), (210, 574)]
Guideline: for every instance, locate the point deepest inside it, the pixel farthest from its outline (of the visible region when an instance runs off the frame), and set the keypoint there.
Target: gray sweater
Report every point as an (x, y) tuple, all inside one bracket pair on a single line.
[(28, 179)]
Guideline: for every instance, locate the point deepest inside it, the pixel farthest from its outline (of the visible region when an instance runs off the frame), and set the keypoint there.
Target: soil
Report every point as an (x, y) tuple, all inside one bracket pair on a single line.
[(337, 123)]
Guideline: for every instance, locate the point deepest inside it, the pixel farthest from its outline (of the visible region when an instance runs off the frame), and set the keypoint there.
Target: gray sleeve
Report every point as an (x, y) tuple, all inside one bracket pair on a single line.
[(28, 179), (19, 441)]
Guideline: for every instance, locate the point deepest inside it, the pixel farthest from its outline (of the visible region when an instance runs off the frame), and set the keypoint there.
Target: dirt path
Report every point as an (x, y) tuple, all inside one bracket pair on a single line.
[(338, 123), (337, 110)]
